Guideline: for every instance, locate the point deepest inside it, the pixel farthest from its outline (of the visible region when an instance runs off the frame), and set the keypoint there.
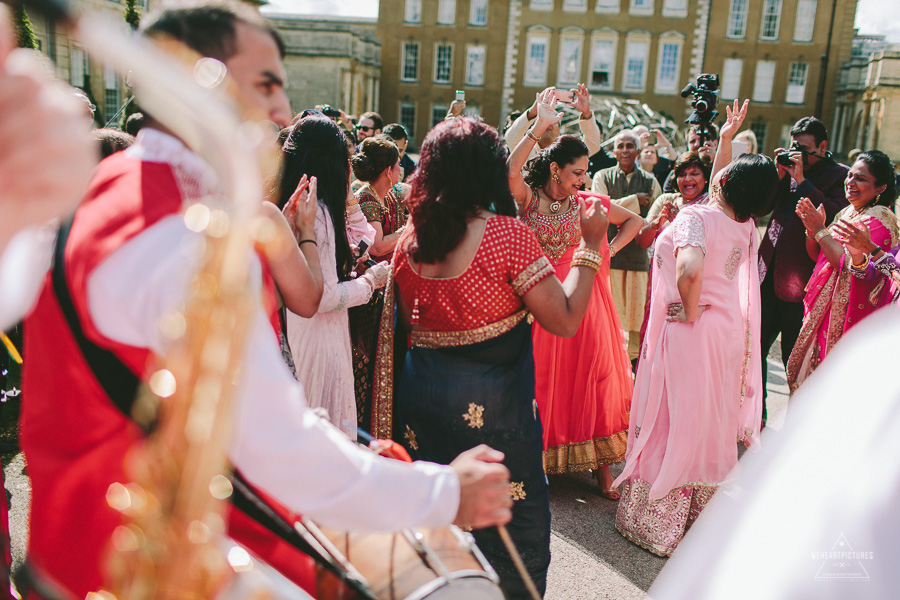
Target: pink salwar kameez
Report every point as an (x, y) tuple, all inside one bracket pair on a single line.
[(698, 387)]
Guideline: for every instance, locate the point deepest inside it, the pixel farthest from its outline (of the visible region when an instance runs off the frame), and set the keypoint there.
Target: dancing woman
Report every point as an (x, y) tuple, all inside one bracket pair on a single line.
[(836, 299), (698, 385), (583, 383), (466, 274)]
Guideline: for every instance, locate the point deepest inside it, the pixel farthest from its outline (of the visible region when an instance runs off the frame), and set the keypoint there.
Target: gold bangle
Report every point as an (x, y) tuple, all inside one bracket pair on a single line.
[(821, 235), (587, 253), (583, 262), (531, 136), (861, 267), (612, 251)]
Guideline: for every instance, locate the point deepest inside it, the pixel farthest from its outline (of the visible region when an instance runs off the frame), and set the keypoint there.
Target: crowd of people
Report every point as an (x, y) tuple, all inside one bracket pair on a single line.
[(503, 309)]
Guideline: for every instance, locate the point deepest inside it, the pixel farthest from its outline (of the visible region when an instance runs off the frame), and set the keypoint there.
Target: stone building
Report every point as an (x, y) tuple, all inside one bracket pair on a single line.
[(331, 60), (867, 108), (784, 54)]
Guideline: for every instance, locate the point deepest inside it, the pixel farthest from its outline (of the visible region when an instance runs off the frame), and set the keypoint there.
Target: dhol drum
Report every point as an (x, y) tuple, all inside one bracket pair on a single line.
[(434, 564)]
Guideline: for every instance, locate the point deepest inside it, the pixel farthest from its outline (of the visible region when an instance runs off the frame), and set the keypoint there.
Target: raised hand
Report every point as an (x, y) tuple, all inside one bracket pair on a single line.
[(734, 119), (582, 101), (813, 218), (300, 209), (546, 111)]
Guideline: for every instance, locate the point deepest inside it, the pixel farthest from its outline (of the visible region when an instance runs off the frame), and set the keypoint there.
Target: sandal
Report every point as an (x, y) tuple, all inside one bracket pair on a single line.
[(609, 494)]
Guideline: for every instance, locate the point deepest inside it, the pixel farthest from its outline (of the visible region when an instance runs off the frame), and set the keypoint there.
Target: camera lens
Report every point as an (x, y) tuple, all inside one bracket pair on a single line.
[(701, 106)]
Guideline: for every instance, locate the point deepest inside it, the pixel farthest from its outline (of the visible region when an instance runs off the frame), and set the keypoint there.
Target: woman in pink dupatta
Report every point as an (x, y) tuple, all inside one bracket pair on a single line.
[(839, 294), (698, 386)]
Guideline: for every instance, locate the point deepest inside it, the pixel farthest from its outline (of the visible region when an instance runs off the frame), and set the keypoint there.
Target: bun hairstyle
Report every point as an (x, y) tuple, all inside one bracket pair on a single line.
[(748, 185), (882, 169), (375, 155), (564, 151)]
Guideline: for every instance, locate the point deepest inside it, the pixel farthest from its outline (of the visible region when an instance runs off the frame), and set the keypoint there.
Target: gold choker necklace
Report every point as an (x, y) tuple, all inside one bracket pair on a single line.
[(555, 205)]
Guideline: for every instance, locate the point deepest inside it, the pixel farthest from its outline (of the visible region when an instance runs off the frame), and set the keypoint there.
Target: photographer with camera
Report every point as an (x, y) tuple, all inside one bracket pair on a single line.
[(806, 170)]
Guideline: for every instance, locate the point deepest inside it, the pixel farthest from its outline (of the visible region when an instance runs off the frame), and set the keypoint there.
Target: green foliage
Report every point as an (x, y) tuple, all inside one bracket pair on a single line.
[(132, 14), (24, 31)]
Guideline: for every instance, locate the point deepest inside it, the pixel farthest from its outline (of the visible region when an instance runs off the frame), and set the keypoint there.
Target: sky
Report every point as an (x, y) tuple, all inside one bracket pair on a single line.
[(870, 14)]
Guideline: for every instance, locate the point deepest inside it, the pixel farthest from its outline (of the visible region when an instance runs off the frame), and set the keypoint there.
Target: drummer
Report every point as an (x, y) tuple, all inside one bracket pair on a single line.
[(129, 260)]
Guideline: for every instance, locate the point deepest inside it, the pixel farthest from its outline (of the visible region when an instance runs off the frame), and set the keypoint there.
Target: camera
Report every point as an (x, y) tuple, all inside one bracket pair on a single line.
[(705, 98), (332, 113), (784, 158)]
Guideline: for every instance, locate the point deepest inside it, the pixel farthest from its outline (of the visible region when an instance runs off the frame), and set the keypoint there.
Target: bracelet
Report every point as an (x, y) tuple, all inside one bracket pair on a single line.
[(531, 136), (586, 257), (861, 267), (612, 251), (875, 252), (823, 233), (301, 242)]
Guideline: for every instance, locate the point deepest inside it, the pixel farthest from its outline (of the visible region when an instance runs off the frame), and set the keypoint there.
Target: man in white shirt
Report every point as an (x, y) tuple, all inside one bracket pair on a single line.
[(129, 261)]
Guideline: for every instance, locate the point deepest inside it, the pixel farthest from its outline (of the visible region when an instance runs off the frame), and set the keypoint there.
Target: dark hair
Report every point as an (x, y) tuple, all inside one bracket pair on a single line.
[(462, 169), (376, 119), (134, 123), (510, 119), (710, 127), (315, 147), (111, 140), (396, 131), (693, 159), (748, 185), (208, 26), (565, 150), (375, 155), (813, 127), (882, 169)]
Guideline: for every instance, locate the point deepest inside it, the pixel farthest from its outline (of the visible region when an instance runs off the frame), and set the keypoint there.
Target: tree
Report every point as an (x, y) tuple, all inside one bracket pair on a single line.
[(24, 31), (132, 14)]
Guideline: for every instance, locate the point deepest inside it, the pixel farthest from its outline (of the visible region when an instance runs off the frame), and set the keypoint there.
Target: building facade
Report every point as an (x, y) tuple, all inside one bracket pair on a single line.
[(783, 54), (331, 60)]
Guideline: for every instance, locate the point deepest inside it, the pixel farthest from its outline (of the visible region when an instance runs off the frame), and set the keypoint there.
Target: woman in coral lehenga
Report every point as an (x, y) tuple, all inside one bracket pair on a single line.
[(583, 384)]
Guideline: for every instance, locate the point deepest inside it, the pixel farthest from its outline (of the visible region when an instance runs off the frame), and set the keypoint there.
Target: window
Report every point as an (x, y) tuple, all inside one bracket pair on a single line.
[(438, 113), (111, 97), (675, 8), (475, 65), (408, 117), (669, 63), (413, 12), (542, 5), (762, 85), (575, 5), (569, 69), (636, 64), (603, 61), (478, 12), (771, 18), (536, 58), (806, 21), (759, 130), (796, 88), (409, 67), (731, 78), (79, 68), (607, 7), (641, 8), (737, 19), (446, 12), (443, 61)]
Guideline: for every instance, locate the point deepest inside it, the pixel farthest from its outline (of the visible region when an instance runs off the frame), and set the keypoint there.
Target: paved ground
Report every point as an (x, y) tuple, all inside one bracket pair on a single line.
[(590, 559)]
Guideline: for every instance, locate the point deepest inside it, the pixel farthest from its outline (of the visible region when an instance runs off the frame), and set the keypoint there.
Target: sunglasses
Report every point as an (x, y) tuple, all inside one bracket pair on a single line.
[(364, 128)]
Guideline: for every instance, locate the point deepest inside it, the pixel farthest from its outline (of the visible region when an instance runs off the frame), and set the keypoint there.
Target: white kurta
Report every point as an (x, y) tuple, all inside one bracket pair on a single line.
[(279, 444), (321, 345)]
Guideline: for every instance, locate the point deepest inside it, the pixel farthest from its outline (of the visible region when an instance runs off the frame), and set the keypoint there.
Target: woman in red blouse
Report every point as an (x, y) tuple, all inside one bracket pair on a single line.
[(467, 273)]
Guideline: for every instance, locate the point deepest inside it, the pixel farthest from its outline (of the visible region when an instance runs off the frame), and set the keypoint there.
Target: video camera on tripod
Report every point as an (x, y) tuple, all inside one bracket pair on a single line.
[(705, 98)]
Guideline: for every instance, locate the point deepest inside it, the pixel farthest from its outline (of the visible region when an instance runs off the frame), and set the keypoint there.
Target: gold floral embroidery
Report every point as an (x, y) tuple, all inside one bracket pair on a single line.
[(474, 416), (731, 264), (581, 456), (410, 436), (517, 490), (532, 275), (452, 339)]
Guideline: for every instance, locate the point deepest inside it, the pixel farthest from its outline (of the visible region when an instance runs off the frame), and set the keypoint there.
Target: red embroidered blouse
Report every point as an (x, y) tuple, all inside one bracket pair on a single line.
[(508, 263)]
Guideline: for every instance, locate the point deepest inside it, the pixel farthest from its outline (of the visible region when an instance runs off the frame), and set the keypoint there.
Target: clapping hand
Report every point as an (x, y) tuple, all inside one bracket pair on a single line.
[(813, 218), (300, 210), (854, 237), (594, 222)]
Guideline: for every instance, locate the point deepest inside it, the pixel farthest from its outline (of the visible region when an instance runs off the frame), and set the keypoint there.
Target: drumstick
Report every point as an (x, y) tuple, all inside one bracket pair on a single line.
[(517, 560)]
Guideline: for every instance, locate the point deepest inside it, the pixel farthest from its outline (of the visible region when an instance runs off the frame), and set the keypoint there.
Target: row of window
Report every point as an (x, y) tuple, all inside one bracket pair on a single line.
[(641, 8), (478, 11), (602, 66), (763, 80), (770, 26), (438, 113), (443, 63)]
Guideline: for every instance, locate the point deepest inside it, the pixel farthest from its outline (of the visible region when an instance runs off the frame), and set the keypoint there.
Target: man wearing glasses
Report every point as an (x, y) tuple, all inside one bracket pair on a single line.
[(370, 124)]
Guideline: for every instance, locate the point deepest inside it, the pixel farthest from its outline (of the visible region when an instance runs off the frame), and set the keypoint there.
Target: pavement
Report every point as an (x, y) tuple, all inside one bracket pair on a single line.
[(590, 559)]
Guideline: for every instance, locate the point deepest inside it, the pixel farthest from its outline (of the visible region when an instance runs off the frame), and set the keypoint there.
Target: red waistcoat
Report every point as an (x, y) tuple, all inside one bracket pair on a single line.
[(75, 439)]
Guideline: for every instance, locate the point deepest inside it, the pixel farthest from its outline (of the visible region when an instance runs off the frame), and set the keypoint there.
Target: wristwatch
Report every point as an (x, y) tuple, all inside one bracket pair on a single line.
[(875, 252)]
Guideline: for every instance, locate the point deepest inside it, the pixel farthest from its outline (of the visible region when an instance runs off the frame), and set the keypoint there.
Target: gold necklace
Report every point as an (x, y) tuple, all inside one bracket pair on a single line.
[(555, 205)]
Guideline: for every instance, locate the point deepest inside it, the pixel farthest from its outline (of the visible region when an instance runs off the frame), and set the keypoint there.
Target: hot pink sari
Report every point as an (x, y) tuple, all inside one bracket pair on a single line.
[(835, 301)]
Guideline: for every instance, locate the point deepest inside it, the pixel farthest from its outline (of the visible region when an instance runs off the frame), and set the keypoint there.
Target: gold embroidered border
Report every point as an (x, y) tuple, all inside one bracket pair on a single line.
[(798, 363), (383, 377), (452, 339), (581, 456), (532, 275)]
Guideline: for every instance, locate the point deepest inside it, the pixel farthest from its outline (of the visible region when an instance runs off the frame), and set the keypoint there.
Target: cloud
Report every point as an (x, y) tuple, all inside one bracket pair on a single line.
[(340, 8), (870, 19)]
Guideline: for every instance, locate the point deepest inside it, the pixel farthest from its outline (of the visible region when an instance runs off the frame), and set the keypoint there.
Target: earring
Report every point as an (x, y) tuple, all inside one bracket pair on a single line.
[(878, 198), (556, 178)]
